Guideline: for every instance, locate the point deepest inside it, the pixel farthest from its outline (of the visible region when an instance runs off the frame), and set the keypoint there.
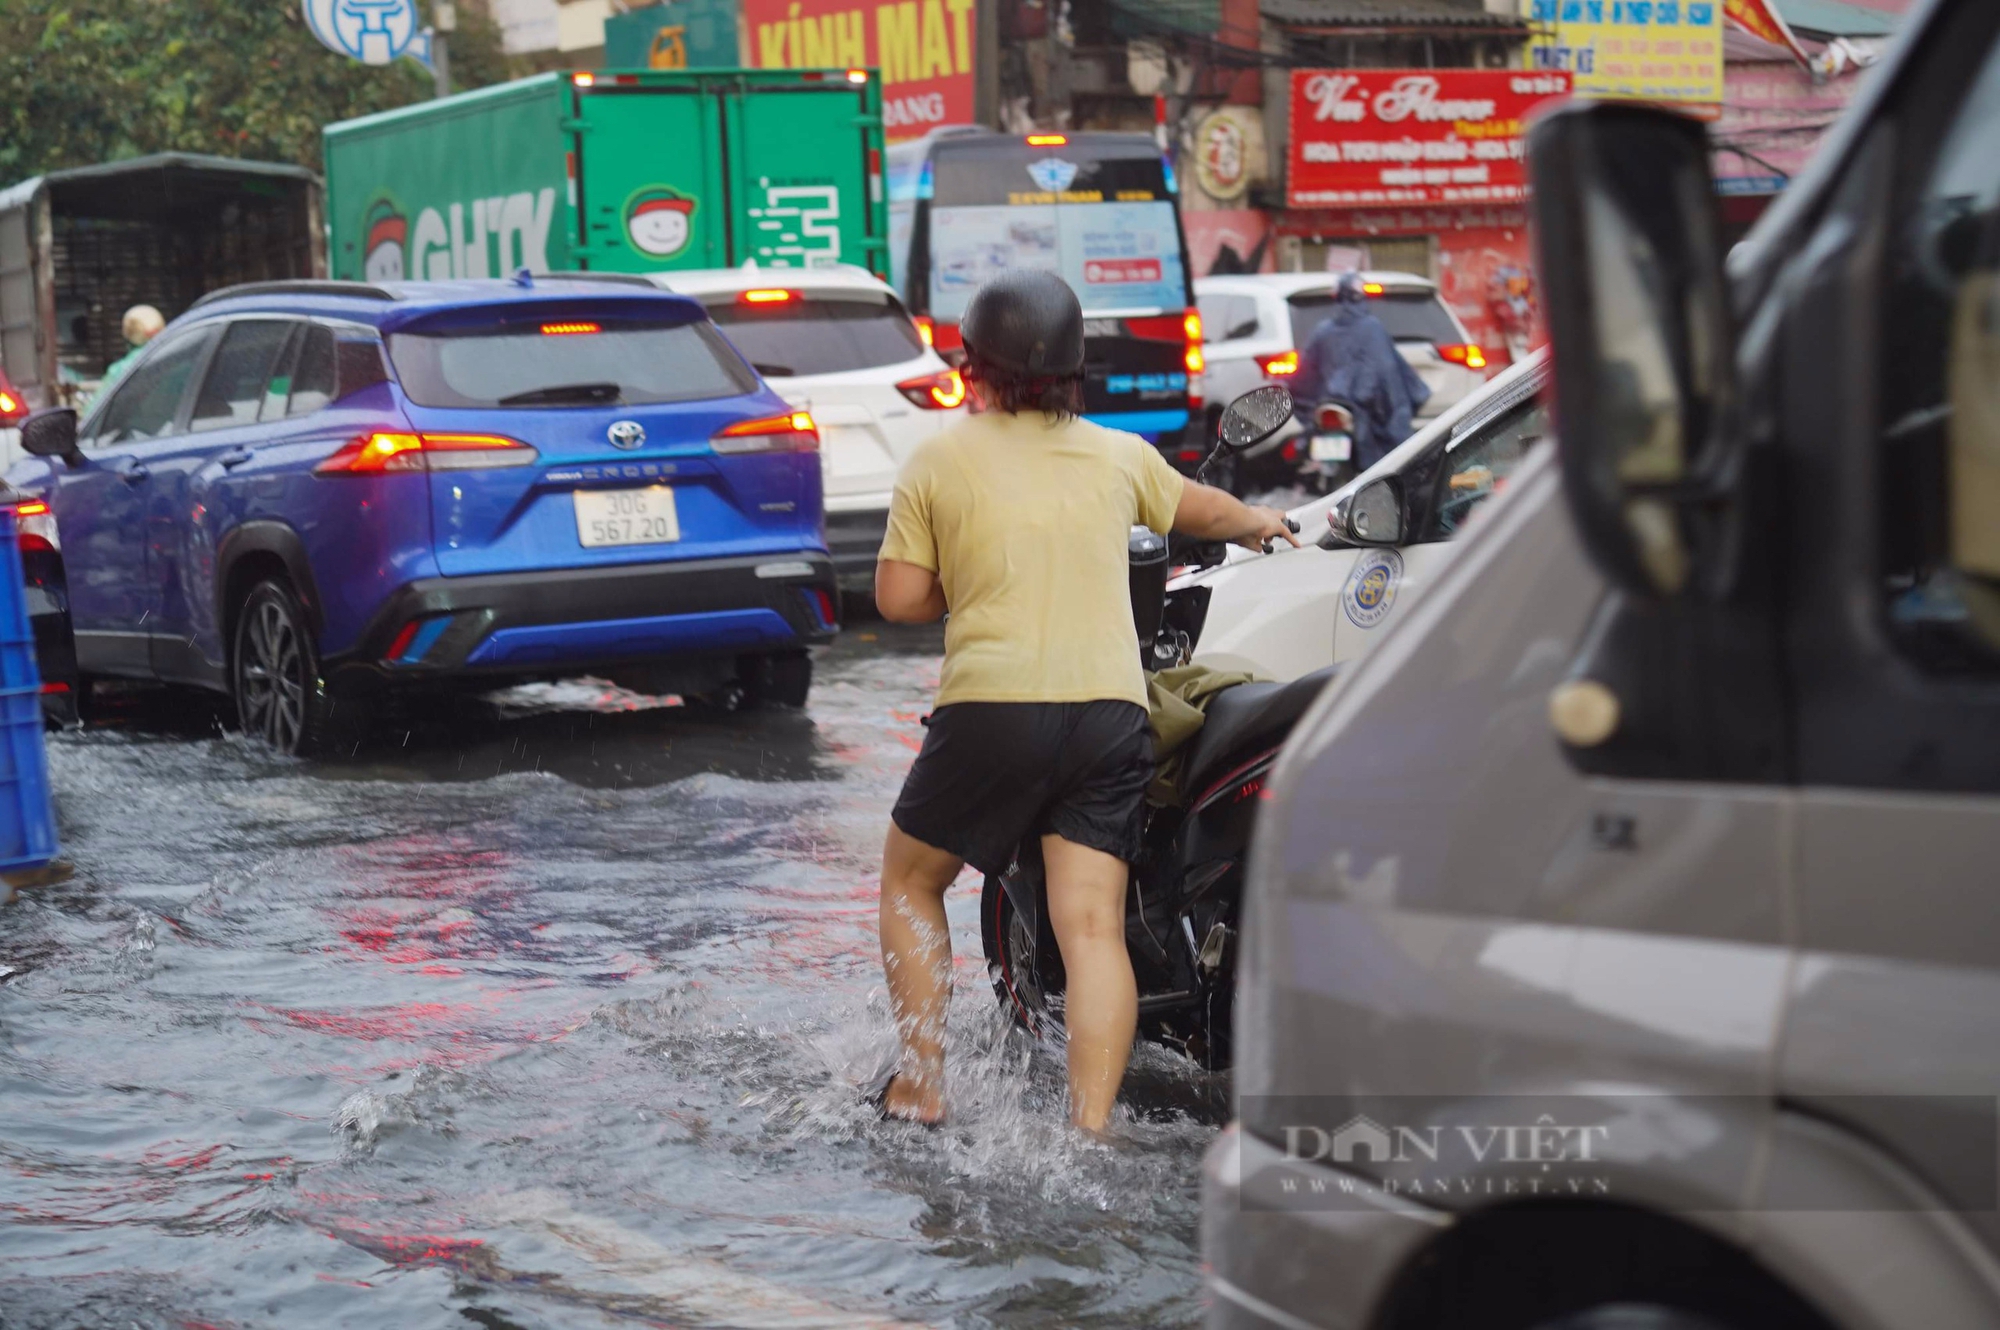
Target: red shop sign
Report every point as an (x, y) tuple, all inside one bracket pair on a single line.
[(1362, 137)]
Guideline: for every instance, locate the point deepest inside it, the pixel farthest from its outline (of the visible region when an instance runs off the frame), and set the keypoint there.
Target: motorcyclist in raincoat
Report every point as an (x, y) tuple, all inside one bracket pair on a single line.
[(1351, 359)]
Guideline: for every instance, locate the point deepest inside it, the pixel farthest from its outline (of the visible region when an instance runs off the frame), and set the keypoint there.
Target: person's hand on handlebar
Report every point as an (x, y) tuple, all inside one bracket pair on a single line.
[(1207, 513)]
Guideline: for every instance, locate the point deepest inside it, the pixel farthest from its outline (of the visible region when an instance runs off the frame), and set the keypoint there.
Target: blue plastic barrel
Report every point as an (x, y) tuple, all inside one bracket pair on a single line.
[(27, 814)]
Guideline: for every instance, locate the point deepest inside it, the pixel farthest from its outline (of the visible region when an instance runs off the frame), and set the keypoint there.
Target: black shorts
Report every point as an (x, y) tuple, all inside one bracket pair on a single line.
[(992, 773)]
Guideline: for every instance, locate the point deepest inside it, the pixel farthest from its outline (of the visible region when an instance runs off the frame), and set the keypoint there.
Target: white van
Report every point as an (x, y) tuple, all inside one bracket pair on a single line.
[(1622, 944)]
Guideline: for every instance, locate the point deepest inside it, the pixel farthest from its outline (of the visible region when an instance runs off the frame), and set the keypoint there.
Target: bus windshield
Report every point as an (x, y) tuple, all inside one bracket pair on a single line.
[(1101, 216)]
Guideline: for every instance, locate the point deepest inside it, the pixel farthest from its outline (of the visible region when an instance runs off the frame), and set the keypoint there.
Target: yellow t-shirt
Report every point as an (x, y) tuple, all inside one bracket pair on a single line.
[(1026, 522)]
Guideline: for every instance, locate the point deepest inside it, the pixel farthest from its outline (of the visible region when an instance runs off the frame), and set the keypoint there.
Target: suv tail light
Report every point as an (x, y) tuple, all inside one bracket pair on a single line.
[(926, 329), (935, 392), (1468, 354), (1191, 330), (384, 453), (793, 432), (12, 408), (1282, 365)]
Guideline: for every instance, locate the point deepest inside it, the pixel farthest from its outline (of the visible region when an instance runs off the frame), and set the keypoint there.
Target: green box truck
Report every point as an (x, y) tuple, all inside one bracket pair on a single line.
[(625, 171)]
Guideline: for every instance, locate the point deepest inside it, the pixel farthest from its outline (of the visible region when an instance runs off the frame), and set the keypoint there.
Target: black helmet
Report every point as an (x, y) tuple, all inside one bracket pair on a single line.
[(1027, 321)]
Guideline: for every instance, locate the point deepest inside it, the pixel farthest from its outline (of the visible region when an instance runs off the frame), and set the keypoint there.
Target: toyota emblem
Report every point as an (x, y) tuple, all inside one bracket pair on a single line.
[(626, 434)]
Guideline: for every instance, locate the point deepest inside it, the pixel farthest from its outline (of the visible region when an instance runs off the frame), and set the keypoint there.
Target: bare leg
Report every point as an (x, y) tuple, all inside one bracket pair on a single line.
[(916, 961), (1087, 910)]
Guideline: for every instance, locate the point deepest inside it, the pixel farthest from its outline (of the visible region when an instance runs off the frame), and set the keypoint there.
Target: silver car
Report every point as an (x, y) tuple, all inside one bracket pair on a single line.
[(1622, 944)]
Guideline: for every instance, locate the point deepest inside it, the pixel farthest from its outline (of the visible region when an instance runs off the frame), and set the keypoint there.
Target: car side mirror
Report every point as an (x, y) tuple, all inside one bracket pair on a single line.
[(1370, 515), (1254, 417), (50, 431), (1638, 314)]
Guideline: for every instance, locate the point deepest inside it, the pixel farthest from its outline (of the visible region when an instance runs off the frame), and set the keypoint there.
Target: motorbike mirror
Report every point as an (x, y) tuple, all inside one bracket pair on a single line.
[(50, 431), (1254, 417), (1371, 515)]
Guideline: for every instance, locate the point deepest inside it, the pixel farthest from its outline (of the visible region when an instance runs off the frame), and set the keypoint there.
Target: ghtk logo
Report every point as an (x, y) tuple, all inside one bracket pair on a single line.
[(659, 222), (386, 233), (485, 238)]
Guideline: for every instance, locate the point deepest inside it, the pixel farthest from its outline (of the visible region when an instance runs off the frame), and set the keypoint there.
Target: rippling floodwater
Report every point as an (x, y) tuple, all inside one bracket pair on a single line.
[(550, 1018)]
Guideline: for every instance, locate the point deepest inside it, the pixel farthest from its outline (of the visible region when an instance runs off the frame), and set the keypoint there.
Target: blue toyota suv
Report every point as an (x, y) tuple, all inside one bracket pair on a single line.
[(310, 493)]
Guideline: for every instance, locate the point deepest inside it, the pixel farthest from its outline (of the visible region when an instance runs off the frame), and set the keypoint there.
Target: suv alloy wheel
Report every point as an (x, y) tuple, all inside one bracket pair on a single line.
[(274, 674)]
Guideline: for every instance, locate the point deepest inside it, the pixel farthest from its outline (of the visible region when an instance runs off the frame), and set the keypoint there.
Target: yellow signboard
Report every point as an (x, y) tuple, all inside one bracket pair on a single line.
[(1651, 50)]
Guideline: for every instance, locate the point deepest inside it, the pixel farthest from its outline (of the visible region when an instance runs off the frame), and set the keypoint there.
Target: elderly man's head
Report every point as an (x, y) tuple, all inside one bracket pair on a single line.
[(142, 324)]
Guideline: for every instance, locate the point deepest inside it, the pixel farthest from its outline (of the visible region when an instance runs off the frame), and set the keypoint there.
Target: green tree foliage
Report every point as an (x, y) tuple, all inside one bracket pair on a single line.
[(85, 81)]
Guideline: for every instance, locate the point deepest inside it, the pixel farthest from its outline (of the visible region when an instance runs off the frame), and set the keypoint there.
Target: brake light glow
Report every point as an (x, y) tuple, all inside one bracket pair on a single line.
[(1371, 288), (1282, 365), (30, 508), (384, 453), (568, 329), (857, 76), (927, 329), (1047, 140), (1191, 328), (767, 297), (8, 406), (1468, 354), (935, 392), (583, 80), (793, 432)]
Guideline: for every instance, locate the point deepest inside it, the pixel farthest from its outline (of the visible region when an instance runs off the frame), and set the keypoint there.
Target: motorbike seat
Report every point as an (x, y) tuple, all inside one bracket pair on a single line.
[(1242, 720)]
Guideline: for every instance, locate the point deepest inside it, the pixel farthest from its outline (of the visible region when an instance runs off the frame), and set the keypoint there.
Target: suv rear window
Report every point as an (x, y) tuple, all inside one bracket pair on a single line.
[(818, 334), (1416, 317), (620, 363)]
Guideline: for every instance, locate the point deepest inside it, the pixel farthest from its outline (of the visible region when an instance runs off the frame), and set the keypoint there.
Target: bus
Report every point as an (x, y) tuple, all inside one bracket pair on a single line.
[(1097, 208)]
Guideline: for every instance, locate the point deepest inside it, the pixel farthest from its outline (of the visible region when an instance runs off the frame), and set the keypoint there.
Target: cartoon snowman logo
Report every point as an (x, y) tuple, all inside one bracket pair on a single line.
[(382, 252), (657, 222)]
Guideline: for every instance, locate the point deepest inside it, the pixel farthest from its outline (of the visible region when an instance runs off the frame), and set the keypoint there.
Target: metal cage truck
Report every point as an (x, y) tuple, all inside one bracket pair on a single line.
[(643, 171)]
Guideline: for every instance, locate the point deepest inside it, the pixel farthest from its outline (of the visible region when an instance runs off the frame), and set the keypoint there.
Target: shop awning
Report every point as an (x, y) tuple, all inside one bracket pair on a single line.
[(1425, 16)]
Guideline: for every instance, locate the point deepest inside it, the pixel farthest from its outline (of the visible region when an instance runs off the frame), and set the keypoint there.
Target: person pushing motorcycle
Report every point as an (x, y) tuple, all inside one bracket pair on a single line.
[(1016, 523)]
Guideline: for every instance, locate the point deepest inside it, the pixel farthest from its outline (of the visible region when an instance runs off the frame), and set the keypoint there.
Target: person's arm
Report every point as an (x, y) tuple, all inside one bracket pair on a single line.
[(906, 593), (1207, 513)]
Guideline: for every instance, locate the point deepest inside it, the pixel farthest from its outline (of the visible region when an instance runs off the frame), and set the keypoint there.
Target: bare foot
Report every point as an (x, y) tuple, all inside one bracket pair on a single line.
[(904, 1100)]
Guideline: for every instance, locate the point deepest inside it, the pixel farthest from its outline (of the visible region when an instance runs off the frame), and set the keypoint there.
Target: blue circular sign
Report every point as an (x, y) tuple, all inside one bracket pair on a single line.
[(375, 32)]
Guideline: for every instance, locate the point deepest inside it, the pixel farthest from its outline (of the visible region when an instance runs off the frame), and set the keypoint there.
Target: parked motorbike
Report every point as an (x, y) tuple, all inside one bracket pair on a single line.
[(1184, 894)]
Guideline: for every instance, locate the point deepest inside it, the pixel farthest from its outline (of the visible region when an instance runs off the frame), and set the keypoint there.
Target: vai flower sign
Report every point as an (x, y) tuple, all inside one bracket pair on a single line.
[(1372, 136)]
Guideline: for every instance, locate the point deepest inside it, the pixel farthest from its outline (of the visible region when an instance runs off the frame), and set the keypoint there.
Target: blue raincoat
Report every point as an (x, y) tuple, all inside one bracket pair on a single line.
[(1351, 359)]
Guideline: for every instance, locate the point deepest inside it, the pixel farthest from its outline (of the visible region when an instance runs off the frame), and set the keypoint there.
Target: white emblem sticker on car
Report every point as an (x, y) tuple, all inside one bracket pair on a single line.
[(1371, 587)]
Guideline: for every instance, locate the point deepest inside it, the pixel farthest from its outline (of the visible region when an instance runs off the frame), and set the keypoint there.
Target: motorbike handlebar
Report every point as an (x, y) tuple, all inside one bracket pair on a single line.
[(1291, 526)]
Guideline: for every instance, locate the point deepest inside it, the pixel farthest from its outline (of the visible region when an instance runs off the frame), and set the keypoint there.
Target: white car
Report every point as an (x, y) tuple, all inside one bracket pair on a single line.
[(1254, 325), (837, 342), (1287, 613)]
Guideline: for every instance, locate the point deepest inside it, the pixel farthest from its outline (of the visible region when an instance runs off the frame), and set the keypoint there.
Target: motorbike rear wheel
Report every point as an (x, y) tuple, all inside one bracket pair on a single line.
[(1028, 985)]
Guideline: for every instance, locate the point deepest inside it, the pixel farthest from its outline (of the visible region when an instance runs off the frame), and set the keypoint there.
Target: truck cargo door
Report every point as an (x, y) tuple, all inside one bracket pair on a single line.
[(799, 179), (650, 179)]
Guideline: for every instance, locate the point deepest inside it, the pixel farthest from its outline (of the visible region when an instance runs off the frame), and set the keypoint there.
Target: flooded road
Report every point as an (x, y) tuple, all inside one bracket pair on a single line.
[(544, 1017)]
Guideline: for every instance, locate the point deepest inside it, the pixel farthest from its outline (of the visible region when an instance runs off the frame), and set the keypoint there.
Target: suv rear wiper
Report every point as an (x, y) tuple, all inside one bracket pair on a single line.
[(772, 371), (564, 392)]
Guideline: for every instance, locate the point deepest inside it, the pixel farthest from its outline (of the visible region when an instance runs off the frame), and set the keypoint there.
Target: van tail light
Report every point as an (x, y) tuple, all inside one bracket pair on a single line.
[(793, 432), (927, 329), (1468, 354), (1281, 366), (30, 508), (1191, 329), (385, 453), (935, 392)]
